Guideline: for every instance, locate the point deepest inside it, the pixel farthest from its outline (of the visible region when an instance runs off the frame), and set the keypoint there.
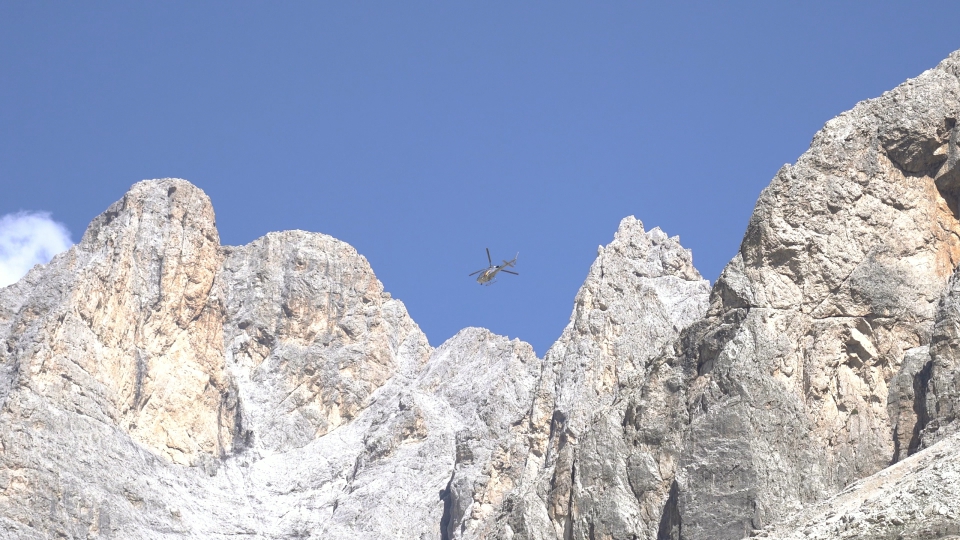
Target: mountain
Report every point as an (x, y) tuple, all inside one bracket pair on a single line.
[(157, 384)]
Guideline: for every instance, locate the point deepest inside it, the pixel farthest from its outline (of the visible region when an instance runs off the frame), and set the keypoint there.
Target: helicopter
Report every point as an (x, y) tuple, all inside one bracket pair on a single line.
[(489, 273)]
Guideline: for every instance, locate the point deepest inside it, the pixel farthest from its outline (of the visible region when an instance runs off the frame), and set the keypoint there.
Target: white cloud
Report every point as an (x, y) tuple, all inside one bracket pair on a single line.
[(26, 239)]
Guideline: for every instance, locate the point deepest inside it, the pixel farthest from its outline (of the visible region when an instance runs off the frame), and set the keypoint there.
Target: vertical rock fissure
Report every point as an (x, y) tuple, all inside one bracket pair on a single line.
[(670, 519), (138, 382), (568, 524), (920, 382), (557, 422), (896, 442), (447, 499), (241, 437), (947, 174), (159, 302)]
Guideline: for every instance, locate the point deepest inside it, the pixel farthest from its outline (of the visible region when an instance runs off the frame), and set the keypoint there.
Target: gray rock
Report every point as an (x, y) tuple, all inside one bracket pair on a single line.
[(839, 274), (906, 402), (309, 336), (639, 295), (941, 401), (918, 497)]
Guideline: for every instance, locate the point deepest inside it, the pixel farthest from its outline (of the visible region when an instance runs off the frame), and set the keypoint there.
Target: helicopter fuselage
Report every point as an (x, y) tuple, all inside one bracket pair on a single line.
[(489, 273)]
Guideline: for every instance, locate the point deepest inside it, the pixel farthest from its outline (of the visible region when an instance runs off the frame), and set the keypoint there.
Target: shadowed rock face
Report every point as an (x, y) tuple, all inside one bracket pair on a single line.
[(155, 384), (940, 402), (918, 497)]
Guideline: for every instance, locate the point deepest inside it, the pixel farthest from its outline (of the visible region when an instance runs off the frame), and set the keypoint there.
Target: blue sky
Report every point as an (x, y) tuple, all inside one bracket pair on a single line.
[(422, 133)]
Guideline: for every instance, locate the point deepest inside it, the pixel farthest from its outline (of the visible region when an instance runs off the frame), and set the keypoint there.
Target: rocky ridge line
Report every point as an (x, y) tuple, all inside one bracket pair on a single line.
[(155, 383), (329, 412)]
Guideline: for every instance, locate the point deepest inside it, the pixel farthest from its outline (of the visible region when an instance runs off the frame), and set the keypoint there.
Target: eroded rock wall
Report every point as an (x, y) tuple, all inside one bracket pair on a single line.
[(114, 362), (586, 479), (311, 334), (159, 385), (124, 328), (918, 497), (941, 400), (839, 275)]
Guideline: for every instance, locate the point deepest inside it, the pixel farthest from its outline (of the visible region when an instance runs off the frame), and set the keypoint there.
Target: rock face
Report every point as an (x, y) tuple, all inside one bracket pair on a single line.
[(155, 384), (310, 335), (941, 399), (916, 498), (586, 478), (121, 328), (840, 274), (159, 385)]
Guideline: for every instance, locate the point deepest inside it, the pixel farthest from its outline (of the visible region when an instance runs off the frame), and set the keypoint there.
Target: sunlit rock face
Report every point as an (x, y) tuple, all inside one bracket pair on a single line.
[(311, 334), (156, 384), (124, 327), (820, 360)]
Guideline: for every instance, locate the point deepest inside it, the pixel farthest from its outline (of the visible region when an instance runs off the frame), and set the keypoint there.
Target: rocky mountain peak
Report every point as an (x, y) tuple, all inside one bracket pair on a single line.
[(123, 326)]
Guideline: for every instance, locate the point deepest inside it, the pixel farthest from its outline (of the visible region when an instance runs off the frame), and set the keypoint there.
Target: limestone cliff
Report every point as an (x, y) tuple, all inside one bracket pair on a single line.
[(123, 328), (918, 497), (810, 368), (156, 384), (839, 275), (586, 478)]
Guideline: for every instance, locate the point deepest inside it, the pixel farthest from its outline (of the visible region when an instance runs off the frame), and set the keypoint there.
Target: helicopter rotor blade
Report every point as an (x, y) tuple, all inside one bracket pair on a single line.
[(477, 272), (509, 272), (489, 260)]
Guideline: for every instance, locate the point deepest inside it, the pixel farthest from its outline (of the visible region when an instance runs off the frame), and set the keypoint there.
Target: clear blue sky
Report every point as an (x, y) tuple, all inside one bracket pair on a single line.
[(422, 133)]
